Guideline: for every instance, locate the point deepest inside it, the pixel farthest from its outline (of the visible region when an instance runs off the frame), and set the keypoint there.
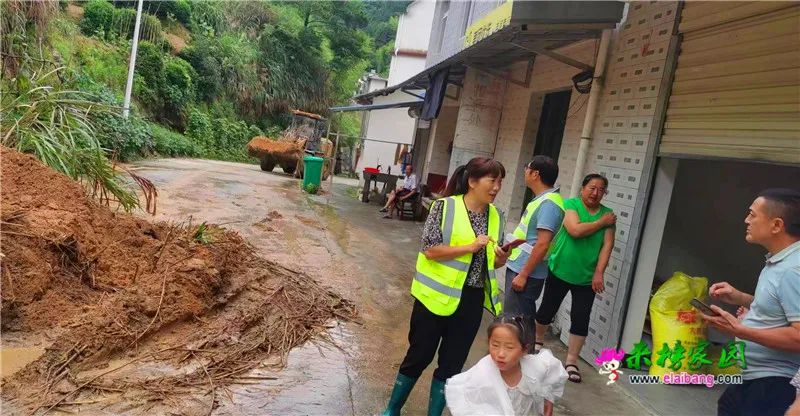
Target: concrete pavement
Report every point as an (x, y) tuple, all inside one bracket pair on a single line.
[(347, 246)]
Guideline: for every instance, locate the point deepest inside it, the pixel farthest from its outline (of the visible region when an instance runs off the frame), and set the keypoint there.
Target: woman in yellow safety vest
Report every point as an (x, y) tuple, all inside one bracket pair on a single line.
[(455, 279)]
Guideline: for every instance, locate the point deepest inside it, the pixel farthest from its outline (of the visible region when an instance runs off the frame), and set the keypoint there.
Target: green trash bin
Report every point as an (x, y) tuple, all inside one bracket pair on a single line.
[(312, 170)]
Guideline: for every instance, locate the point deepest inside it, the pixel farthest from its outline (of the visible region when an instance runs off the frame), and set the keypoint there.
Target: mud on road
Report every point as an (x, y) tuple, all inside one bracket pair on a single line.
[(127, 315)]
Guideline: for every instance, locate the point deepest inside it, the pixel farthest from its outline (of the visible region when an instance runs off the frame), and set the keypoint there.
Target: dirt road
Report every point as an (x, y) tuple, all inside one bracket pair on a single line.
[(344, 245)]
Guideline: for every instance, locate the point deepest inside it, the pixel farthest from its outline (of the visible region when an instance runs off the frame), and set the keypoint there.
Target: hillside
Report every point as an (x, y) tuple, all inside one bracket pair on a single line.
[(209, 76)]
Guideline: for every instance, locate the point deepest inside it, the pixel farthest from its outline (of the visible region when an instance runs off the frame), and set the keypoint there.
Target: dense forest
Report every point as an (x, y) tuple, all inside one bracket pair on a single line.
[(209, 75)]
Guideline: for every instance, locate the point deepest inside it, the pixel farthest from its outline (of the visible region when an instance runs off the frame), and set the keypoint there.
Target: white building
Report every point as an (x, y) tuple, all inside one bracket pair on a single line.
[(385, 133)]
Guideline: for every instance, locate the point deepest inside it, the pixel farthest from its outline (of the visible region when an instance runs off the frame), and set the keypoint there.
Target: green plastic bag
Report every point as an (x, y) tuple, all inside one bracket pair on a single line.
[(676, 324)]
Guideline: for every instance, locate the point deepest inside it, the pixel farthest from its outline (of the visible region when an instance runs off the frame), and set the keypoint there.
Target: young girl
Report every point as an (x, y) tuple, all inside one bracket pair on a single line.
[(508, 381)]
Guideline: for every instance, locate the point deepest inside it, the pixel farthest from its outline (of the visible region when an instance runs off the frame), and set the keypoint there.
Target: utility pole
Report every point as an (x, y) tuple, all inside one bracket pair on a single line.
[(126, 104)]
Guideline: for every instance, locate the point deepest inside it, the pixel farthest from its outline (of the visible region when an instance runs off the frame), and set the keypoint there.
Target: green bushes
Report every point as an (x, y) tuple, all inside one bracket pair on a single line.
[(169, 143), (149, 79), (178, 9), (126, 139), (164, 83), (209, 74), (206, 17), (297, 75), (58, 125), (101, 19), (151, 29), (178, 87), (220, 137), (98, 17)]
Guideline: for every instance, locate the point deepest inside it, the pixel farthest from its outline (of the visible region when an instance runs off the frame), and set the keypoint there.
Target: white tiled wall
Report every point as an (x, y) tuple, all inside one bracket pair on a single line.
[(622, 131)]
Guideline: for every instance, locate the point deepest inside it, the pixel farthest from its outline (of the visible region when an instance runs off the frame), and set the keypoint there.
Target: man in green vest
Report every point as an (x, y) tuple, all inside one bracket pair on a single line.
[(527, 266)]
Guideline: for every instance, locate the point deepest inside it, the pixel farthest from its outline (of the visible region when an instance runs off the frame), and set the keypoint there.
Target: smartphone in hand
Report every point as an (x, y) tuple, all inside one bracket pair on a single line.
[(702, 307), (512, 244)]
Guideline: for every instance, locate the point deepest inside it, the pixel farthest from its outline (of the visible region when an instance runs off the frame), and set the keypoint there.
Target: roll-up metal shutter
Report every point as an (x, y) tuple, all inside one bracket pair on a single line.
[(736, 91)]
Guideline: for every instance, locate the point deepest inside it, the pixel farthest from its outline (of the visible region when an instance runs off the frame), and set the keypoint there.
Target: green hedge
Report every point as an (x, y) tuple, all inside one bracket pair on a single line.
[(98, 17), (221, 137), (127, 139), (169, 143), (179, 88), (101, 19)]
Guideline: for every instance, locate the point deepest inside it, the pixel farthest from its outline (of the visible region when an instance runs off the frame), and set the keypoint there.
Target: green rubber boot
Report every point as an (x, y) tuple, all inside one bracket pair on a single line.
[(402, 388), (437, 401)]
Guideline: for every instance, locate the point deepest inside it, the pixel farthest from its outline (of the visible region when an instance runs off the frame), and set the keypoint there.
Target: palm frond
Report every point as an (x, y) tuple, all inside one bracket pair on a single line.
[(56, 126)]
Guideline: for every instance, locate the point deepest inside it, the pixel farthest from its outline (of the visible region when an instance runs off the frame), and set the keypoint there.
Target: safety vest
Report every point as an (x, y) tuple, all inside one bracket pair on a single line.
[(438, 284), (521, 232)]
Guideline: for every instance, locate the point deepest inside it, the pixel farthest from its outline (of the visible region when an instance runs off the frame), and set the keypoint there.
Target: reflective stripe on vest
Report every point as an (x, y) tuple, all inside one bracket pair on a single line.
[(521, 232), (438, 284)]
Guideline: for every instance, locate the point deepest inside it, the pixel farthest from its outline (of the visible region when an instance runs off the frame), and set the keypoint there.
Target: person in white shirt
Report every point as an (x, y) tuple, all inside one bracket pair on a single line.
[(408, 190), (508, 381)]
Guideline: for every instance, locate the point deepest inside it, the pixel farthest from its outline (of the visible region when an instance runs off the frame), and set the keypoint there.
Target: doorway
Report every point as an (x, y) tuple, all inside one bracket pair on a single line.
[(551, 130)]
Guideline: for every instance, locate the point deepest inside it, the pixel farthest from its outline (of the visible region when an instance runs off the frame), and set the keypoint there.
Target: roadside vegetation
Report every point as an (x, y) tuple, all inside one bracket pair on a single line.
[(210, 75)]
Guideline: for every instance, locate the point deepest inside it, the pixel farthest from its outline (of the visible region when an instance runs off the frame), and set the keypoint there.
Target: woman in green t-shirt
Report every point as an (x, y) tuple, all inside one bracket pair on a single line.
[(577, 262)]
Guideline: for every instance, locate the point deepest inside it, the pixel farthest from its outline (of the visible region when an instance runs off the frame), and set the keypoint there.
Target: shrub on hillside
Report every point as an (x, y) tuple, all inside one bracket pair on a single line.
[(127, 139), (207, 67), (150, 67), (98, 17), (169, 143), (151, 30), (206, 17), (124, 22), (179, 8), (199, 128), (178, 84), (221, 137)]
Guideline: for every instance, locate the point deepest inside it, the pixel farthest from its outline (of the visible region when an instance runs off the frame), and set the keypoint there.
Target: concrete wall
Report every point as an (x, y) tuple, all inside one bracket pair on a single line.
[(623, 149), (404, 67), (374, 83), (550, 75), (478, 118), (414, 26), (515, 143), (413, 34), (447, 36), (522, 108), (443, 129)]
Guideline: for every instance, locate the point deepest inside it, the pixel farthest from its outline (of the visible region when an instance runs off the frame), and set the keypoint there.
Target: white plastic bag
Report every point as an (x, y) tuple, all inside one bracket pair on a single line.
[(481, 390)]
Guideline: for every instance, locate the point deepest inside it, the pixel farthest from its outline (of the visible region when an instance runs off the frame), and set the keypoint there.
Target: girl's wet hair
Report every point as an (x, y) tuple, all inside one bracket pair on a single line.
[(476, 168), (518, 324)]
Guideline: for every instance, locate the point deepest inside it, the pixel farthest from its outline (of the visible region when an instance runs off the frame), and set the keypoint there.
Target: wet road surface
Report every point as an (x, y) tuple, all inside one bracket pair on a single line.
[(346, 245)]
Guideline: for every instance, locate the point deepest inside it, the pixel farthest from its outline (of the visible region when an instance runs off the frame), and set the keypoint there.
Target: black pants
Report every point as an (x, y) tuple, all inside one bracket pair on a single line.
[(766, 396), (555, 290), (456, 333)]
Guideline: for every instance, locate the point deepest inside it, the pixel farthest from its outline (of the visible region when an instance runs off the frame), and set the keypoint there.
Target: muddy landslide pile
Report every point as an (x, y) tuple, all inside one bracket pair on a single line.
[(104, 284)]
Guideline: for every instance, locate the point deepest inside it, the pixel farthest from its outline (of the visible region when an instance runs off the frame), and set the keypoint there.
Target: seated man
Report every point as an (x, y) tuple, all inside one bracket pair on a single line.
[(408, 190)]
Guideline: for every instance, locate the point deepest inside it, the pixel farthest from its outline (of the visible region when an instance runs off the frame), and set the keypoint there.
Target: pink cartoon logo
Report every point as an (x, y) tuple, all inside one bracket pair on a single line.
[(609, 361)]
